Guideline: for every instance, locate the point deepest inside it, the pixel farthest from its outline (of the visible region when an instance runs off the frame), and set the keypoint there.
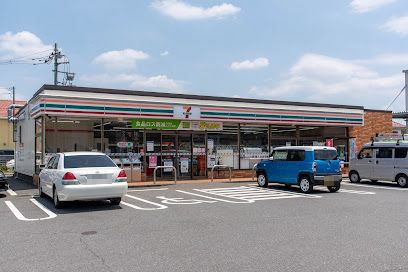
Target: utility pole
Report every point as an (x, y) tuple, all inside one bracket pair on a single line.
[(14, 114), (56, 55), (406, 95)]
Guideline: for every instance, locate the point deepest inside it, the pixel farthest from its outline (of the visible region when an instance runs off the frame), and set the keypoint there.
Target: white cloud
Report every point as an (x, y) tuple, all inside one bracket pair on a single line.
[(158, 83), (165, 53), (122, 59), (250, 64), (5, 93), (385, 59), (318, 78), (397, 25), (361, 6), (180, 10), (21, 44)]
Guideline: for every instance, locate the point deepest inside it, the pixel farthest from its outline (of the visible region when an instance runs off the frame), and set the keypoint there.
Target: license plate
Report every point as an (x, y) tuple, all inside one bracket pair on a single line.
[(329, 181)]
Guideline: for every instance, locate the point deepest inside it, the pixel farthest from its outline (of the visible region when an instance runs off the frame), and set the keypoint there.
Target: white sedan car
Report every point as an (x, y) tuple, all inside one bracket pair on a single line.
[(10, 165), (82, 176)]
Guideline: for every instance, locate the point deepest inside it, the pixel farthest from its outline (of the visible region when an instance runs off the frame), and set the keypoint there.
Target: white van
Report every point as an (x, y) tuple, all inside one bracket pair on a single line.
[(381, 161)]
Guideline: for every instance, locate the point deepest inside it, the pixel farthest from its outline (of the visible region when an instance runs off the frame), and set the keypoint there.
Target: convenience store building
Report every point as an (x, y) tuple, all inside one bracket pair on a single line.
[(190, 132)]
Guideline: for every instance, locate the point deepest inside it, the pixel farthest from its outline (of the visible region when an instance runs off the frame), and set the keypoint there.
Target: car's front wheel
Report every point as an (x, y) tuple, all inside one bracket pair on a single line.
[(333, 189), (40, 191), (354, 177), (305, 185), (402, 180), (262, 180), (57, 202)]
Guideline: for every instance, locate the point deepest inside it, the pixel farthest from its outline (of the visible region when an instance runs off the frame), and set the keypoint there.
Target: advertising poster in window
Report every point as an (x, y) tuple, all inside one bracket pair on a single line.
[(329, 142), (210, 146), (150, 146), (168, 162), (210, 160), (152, 161), (184, 165)]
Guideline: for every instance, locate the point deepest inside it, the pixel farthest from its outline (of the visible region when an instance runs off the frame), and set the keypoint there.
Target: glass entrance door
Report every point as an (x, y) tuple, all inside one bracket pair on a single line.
[(168, 154), (199, 167), (185, 151), (184, 156)]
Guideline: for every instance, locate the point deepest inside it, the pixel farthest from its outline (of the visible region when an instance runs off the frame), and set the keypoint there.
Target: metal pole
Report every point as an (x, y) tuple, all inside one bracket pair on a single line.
[(13, 115), (55, 64), (406, 95)]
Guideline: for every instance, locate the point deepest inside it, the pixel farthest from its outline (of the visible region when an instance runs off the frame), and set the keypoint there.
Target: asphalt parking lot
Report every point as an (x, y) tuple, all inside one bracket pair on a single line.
[(209, 227)]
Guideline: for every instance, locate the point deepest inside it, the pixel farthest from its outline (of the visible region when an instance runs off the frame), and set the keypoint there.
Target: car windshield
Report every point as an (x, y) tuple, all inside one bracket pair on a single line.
[(325, 155), (83, 161)]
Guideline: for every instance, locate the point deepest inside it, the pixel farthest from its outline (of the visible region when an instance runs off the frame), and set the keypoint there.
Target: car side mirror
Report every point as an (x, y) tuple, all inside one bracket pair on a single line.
[(41, 166)]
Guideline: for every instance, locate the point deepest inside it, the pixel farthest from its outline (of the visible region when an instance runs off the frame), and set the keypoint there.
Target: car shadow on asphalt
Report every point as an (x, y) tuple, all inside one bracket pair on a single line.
[(3, 195), (77, 206), (20, 184)]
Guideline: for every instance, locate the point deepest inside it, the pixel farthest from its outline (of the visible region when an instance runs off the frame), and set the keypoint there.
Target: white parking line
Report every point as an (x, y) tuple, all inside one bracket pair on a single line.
[(42, 207), (289, 192), (253, 193), (144, 190), (213, 198), (373, 186), (20, 216), (322, 188), (160, 206), (11, 192)]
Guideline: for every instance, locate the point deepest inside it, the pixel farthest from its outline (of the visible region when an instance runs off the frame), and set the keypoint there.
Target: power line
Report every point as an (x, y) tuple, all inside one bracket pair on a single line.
[(55, 55), (403, 88), (26, 56)]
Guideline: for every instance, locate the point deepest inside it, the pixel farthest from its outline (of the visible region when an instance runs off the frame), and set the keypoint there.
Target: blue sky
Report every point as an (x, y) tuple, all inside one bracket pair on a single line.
[(339, 51)]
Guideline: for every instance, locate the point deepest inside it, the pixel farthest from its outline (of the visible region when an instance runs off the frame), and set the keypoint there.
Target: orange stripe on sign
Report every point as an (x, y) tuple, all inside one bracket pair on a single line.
[(106, 103), (279, 112)]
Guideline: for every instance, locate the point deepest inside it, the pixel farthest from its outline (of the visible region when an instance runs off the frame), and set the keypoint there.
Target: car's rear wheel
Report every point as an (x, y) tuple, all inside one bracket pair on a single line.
[(305, 185), (115, 201), (333, 189), (354, 177), (262, 180), (57, 202), (40, 191), (402, 180)]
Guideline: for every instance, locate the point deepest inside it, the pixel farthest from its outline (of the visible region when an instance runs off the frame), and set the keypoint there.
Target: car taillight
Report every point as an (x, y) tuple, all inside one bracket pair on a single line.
[(69, 179), (314, 167), (122, 176)]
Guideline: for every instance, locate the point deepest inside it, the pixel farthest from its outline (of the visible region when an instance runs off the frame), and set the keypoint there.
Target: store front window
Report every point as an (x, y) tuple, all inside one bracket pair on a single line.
[(254, 145), (282, 136), (72, 134), (122, 143), (222, 147)]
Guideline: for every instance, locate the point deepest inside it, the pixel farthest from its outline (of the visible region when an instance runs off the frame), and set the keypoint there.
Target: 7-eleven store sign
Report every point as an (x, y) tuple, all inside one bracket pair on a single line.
[(187, 112)]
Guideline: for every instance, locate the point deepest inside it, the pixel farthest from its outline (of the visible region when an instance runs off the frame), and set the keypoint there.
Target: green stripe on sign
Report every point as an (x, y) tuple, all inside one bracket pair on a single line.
[(155, 110)]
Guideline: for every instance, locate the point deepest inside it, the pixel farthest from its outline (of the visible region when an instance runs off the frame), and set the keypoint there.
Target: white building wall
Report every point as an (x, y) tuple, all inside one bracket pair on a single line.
[(25, 145)]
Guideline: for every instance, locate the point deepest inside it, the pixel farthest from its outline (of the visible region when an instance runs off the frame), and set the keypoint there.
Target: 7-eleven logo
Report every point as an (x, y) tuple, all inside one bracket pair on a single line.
[(187, 111)]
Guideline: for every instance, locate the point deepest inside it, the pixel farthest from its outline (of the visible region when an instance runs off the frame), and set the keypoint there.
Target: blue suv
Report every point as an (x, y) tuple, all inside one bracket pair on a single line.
[(305, 166)]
